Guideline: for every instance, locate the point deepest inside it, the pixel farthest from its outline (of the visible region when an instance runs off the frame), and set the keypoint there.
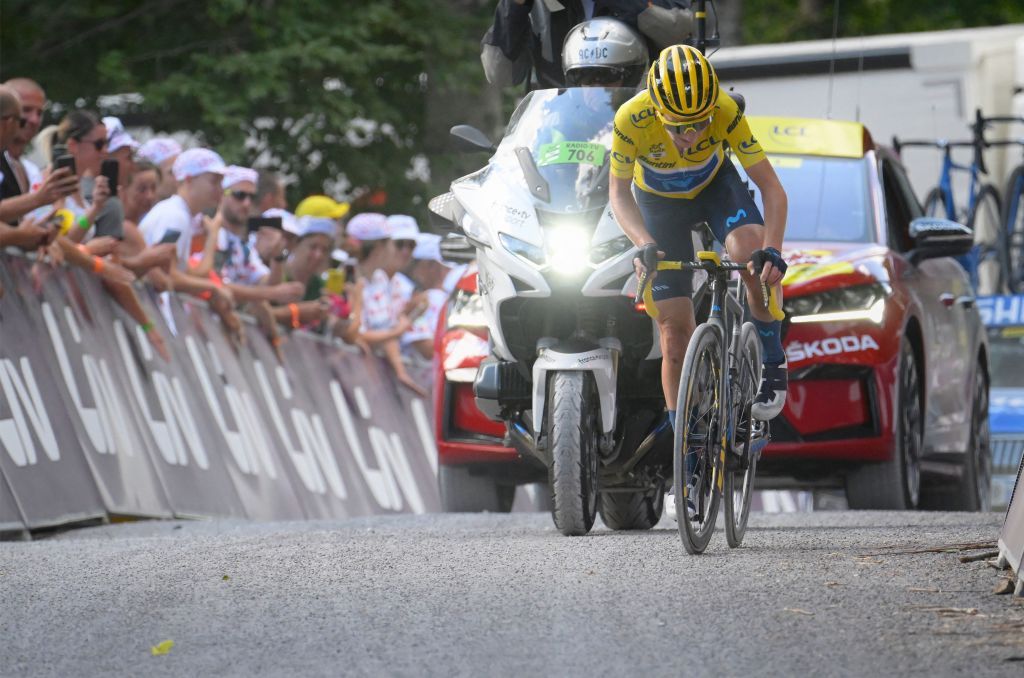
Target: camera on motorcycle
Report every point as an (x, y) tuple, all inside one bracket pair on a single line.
[(469, 139)]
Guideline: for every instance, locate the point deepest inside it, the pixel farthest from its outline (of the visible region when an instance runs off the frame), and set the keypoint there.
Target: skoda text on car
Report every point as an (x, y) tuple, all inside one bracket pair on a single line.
[(1004, 320), (887, 355)]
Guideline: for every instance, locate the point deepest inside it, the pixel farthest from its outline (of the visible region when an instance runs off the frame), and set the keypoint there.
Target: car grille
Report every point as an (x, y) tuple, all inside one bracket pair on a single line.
[(1006, 454)]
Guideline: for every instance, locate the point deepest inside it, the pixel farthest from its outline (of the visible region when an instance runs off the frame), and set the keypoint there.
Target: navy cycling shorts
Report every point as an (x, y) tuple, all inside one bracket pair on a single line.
[(725, 204)]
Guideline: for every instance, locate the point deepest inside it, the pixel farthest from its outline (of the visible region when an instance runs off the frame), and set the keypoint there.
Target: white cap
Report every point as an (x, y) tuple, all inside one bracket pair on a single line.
[(233, 174), (117, 135), (340, 256), (369, 226), (288, 221), (428, 248), (317, 226), (403, 227), (196, 161), (158, 149)]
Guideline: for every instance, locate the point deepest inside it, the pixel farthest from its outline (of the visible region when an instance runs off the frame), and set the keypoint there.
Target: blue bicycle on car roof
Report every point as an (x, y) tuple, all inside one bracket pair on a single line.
[(988, 264)]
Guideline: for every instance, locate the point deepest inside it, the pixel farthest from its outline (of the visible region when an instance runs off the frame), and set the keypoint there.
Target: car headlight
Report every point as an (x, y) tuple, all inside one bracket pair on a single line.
[(522, 249), (467, 310), (568, 248), (609, 249), (860, 302)]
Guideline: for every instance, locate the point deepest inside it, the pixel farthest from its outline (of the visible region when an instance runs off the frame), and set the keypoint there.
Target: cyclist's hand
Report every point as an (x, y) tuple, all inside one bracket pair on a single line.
[(646, 260), (769, 265)]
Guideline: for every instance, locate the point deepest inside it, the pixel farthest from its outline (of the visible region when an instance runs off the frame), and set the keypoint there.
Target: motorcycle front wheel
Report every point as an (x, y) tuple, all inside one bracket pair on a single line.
[(572, 434)]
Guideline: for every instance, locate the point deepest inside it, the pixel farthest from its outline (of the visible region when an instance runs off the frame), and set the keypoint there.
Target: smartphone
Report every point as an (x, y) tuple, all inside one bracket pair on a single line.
[(335, 283), (170, 236), (65, 161), (57, 151), (256, 223), (110, 169)]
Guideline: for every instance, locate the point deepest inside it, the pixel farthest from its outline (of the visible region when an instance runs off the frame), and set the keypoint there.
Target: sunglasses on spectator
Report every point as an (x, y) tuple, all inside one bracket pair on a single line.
[(21, 121), (681, 128), (405, 244), (98, 144), (241, 196)]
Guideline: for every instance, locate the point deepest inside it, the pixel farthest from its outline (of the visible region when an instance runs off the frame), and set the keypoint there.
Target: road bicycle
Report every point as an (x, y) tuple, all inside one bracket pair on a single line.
[(717, 443), (988, 262), (1013, 212)]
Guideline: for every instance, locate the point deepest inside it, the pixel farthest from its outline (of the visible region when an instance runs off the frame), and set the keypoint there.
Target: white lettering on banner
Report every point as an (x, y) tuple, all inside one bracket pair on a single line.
[(1001, 310), (106, 423), (178, 428), (798, 350), (248, 445), (313, 459), (389, 455), (23, 399), (419, 414)]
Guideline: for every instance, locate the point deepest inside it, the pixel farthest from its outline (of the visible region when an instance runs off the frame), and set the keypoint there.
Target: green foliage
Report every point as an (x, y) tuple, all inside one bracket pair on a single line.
[(330, 93)]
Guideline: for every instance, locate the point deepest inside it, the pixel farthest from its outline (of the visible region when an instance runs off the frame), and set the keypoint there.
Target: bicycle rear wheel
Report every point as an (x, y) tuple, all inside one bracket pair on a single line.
[(741, 468), (1013, 228), (698, 473), (986, 222), (935, 203)]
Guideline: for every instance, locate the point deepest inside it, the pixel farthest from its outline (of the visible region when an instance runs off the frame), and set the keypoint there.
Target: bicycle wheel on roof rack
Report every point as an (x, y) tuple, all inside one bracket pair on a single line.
[(985, 220), (1013, 228)]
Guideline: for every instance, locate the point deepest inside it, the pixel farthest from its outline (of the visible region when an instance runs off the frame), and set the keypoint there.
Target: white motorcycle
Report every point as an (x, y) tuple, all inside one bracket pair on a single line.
[(575, 364)]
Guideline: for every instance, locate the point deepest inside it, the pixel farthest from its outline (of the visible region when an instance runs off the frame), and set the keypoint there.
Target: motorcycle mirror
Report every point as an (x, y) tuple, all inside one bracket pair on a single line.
[(469, 139)]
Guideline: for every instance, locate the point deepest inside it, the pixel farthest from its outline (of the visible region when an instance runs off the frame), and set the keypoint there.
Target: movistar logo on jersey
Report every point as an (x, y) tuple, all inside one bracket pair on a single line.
[(735, 218), (681, 181), (643, 118)]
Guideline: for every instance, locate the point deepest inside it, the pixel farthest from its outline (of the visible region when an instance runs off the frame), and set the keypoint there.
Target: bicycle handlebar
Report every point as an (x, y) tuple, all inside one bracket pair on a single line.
[(644, 291)]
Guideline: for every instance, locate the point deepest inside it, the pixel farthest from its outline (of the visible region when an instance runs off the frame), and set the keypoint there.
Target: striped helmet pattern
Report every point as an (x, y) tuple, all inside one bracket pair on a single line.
[(682, 82)]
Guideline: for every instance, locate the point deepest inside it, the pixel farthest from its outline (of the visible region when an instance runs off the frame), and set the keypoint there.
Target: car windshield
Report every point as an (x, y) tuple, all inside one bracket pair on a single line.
[(567, 134), (1006, 346), (828, 198)]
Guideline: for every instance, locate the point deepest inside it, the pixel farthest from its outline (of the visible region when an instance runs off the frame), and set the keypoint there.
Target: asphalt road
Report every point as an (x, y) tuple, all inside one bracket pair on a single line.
[(508, 596)]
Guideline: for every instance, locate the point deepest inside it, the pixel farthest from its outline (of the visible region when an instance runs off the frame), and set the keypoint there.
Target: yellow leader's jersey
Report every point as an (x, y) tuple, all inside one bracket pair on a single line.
[(643, 150)]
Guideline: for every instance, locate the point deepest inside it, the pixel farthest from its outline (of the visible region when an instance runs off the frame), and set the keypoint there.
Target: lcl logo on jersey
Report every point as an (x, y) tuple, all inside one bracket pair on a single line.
[(645, 116)]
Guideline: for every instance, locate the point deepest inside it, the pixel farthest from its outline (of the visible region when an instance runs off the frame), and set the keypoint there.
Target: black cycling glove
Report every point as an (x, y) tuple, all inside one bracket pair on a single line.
[(768, 255), (648, 257)]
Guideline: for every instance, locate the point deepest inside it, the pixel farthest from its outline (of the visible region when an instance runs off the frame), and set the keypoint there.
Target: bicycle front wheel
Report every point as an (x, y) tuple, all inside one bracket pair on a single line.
[(697, 473), (742, 465), (986, 222), (1013, 224)]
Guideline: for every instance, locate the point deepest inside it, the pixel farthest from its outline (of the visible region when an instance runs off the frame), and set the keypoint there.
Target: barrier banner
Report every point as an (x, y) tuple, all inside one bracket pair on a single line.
[(94, 422), (10, 517), (41, 458), (1011, 536)]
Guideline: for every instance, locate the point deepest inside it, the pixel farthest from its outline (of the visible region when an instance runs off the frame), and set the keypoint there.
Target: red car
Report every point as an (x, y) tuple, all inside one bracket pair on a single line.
[(476, 470), (887, 353)]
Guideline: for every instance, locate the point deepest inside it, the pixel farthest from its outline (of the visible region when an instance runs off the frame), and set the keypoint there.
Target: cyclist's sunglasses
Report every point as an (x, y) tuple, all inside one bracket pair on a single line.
[(681, 128), (240, 196)]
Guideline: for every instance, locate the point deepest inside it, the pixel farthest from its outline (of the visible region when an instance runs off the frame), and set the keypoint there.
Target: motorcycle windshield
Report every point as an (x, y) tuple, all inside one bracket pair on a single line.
[(560, 139)]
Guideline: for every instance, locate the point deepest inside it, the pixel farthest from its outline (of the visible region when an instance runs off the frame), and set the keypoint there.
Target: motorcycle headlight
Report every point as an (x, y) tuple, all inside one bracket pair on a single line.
[(860, 302), (609, 249), (568, 248), (522, 249)]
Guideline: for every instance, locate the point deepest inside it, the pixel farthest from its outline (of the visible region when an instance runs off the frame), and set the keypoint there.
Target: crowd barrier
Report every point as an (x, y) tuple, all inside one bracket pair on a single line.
[(94, 424)]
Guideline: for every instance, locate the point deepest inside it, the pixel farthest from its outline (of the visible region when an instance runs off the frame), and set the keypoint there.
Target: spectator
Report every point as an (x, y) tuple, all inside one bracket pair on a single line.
[(273, 245), (139, 197), (241, 268), (198, 172), (382, 323), (404, 231), (19, 175), (429, 271), (30, 235), (120, 146), (307, 262), (86, 138), (162, 152), (269, 192)]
